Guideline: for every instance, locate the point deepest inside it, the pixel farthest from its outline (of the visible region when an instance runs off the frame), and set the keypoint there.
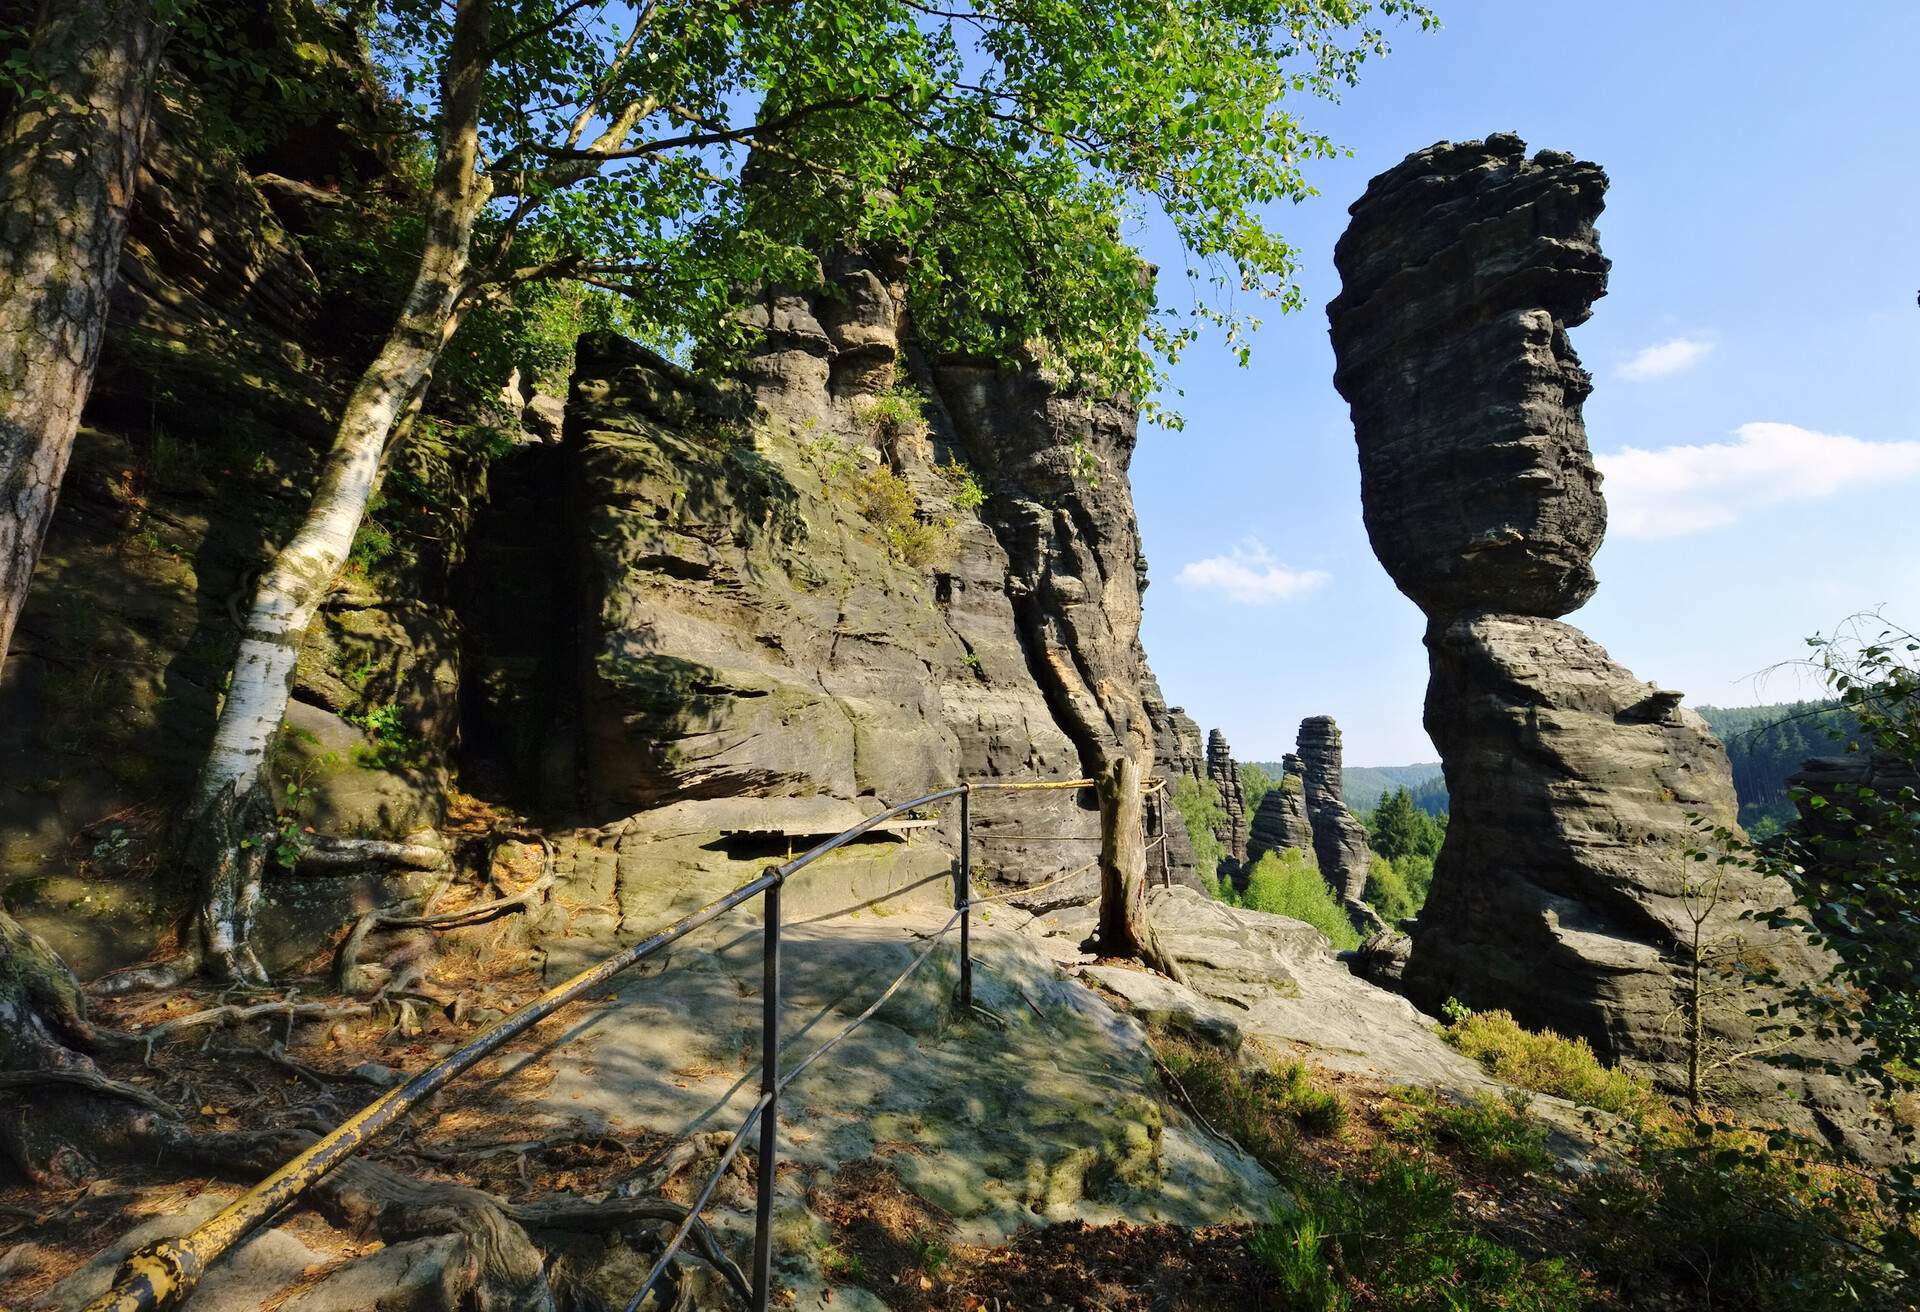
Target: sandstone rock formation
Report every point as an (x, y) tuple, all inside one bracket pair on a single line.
[(756, 629), (1232, 832), (1339, 839), (681, 605), (1281, 820), (1558, 894)]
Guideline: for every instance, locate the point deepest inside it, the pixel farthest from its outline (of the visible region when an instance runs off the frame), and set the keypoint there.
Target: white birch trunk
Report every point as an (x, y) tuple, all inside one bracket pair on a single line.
[(231, 804)]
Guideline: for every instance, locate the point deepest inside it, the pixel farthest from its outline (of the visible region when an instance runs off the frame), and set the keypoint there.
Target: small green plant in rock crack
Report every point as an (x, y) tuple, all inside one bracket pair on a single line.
[(392, 745), (967, 492), (897, 412)]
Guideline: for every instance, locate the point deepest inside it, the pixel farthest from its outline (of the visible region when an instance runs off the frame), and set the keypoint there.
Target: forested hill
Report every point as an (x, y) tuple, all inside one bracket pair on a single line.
[(1768, 743), (1365, 785), (1765, 743)]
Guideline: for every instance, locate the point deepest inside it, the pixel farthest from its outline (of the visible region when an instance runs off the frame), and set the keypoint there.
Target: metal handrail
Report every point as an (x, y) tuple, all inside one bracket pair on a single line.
[(167, 1271)]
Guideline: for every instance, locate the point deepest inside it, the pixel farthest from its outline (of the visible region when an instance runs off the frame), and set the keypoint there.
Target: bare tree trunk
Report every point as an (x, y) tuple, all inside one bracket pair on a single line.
[(1124, 929), (232, 805), (67, 158)]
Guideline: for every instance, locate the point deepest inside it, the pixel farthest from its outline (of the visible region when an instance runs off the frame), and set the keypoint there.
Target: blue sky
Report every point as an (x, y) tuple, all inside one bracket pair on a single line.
[(1756, 361)]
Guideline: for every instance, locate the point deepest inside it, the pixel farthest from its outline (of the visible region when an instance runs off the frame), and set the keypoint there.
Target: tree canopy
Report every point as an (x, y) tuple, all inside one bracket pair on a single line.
[(1005, 152)]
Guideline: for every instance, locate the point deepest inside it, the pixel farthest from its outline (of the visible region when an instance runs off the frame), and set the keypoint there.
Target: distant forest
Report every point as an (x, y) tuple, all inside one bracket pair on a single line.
[(1365, 785), (1765, 743)]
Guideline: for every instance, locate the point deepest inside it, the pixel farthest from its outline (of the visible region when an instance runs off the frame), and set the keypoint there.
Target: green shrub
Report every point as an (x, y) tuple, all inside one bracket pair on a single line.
[(1494, 1132), (1387, 892), (1285, 884), (1392, 1231), (1416, 872), (1547, 1063), (390, 746), (1198, 802), (1757, 1227), (967, 492), (888, 504), (898, 412)]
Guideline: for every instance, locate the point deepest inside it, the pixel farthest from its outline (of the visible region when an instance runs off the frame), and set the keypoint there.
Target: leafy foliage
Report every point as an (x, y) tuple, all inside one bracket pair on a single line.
[(390, 744), (1755, 1223), (1387, 891), (1004, 151), (1405, 839), (889, 505), (1851, 863), (1255, 784), (1392, 1229), (1398, 828), (1284, 883), (1200, 808)]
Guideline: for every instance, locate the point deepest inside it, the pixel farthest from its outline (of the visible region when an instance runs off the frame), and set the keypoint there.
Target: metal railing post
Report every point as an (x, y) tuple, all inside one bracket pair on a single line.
[(770, 1090), (963, 897)]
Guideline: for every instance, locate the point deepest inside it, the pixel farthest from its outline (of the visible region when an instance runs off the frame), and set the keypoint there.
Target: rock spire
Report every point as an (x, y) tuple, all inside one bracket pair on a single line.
[(1339, 839), (1225, 774), (1280, 821), (1558, 894)]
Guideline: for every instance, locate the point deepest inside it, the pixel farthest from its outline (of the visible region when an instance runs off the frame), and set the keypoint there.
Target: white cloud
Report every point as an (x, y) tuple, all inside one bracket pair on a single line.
[(1665, 359), (1250, 576), (1687, 489)]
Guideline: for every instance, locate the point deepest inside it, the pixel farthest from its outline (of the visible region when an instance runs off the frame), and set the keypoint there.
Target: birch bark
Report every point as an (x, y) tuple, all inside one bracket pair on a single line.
[(232, 809)]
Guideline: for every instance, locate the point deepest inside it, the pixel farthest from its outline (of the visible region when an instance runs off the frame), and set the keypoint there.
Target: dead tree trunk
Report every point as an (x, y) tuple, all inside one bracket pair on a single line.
[(1124, 929), (68, 152), (232, 803)]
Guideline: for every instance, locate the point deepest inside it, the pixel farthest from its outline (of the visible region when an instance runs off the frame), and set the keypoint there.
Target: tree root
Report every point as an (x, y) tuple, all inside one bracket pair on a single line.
[(327, 855), (504, 1268), (157, 977), (92, 1081), (230, 1013), (352, 978)]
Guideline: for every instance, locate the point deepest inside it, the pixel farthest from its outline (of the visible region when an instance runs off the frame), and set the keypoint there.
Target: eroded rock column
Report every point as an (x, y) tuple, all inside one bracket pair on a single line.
[(1280, 821), (1233, 799), (1558, 894), (1339, 839)]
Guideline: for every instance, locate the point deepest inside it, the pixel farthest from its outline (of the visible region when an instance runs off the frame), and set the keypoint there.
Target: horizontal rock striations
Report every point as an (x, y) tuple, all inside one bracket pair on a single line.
[(1462, 270), (1559, 893), (760, 624), (1280, 821), (1339, 839), (1232, 833)]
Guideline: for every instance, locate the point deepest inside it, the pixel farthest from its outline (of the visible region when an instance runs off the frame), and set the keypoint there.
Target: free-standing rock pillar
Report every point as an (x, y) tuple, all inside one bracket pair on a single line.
[(1280, 821), (1558, 894), (1339, 839), (1225, 774)]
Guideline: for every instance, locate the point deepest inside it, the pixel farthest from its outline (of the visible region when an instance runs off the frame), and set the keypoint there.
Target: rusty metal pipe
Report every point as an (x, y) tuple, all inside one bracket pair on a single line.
[(164, 1273)]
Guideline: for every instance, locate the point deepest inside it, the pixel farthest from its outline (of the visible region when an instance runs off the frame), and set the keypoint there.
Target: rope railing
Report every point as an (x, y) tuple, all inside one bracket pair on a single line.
[(163, 1274)]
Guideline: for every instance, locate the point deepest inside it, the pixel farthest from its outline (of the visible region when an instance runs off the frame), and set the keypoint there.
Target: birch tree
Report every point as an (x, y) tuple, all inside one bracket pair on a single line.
[(68, 152), (1003, 146)]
